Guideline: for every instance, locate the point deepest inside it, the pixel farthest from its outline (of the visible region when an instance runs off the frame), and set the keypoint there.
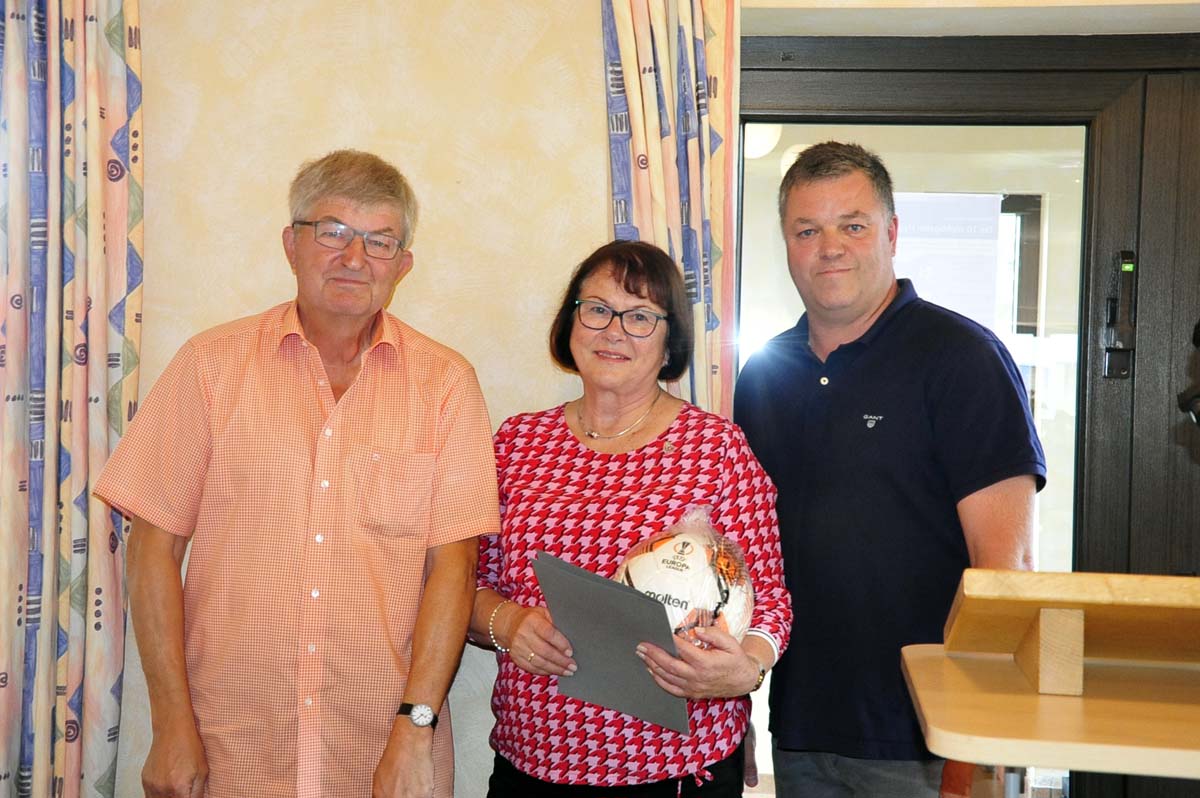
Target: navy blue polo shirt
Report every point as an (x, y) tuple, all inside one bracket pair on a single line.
[(871, 452)]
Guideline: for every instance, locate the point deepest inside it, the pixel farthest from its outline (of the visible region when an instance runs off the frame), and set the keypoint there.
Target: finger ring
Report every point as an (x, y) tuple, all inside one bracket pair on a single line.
[(532, 656)]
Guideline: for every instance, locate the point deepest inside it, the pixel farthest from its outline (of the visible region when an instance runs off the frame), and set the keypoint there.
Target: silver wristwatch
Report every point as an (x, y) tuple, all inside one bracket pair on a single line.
[(420, 714)]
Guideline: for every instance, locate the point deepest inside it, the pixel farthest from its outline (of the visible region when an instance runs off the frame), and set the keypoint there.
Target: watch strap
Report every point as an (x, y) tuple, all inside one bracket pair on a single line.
[(407, 708)]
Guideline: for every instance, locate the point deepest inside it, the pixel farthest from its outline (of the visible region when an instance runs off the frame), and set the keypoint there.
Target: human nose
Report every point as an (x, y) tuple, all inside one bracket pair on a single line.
[(831, 246), (355, 253), (616, 327)]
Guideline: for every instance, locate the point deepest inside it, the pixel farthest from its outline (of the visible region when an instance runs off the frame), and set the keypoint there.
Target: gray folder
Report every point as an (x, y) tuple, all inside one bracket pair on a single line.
[(604, 621)]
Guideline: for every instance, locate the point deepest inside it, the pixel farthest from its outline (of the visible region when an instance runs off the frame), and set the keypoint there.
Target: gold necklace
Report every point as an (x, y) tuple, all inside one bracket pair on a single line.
[(597, 436)]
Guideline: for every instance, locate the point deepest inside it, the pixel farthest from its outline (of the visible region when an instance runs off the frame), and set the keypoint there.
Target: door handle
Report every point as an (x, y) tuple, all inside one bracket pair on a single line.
[(1189, 400), (1120, 331)]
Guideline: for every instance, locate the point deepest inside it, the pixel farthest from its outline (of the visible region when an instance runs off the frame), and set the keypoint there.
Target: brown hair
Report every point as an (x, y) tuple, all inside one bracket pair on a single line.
[(359, 177), (646, 271), (835, 159)]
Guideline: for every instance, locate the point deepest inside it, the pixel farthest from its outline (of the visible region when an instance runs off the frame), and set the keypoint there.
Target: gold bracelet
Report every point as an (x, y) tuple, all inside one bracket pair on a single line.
[(492, 629), (762, 673)]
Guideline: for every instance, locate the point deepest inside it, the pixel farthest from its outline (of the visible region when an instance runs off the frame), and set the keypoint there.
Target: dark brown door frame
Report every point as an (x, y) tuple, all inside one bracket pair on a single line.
[(1165, 495), (1111, 84)]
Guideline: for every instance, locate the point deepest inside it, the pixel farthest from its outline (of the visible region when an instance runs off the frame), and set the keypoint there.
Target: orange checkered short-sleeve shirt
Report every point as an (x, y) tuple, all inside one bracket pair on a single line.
[(310, 519)]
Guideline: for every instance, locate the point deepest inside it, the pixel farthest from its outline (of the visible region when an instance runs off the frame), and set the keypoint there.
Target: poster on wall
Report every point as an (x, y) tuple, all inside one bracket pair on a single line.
[(948, 246)]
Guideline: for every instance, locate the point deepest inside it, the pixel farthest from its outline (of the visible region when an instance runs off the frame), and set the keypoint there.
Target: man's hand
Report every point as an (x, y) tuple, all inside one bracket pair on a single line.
[(176, 766), (956, 779), (406, 768), (750, 761)]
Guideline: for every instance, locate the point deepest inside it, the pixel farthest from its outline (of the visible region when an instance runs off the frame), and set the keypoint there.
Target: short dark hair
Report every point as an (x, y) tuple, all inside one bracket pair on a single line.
[(646, 271), (835, 159)]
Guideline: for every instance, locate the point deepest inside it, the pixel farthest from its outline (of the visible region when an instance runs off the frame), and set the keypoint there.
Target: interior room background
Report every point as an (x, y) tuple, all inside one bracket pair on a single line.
[(494, 110)]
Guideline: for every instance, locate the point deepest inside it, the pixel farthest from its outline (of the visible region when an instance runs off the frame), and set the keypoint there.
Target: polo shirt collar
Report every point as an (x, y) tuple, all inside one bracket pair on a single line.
[(906, 294)]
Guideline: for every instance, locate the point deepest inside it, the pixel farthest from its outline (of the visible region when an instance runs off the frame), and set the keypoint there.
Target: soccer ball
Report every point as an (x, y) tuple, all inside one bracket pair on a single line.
[(697, 574)]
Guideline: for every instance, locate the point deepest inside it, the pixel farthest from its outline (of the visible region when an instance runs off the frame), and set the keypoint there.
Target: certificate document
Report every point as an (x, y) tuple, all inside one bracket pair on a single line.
[(605, 621)]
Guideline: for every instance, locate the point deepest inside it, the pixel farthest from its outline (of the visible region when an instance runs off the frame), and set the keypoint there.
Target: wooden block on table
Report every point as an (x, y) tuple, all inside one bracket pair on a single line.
[(1130, 617), (1051, 653)]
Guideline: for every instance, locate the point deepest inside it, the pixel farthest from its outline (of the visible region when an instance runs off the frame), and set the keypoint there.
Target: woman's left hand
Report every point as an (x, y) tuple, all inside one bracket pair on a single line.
[(723, 670)]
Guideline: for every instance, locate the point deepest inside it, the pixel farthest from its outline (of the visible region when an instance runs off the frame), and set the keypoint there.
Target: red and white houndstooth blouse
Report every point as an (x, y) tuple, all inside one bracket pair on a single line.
[(558, 496)]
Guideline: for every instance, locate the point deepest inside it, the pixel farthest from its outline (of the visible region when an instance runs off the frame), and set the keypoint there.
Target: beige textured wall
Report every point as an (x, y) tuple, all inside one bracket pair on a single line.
[(494, 110)]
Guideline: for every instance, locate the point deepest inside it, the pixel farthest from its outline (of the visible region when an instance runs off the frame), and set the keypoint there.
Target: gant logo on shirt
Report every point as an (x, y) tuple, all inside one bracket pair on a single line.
[(872, 421)]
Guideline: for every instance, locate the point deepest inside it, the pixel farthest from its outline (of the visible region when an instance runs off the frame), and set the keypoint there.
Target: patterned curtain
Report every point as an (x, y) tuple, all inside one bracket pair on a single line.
[(672, 77), (70, 322)]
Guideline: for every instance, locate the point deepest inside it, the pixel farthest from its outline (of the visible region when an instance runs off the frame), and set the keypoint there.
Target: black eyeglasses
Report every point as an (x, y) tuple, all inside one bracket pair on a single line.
[(638, 322), (336, 235)]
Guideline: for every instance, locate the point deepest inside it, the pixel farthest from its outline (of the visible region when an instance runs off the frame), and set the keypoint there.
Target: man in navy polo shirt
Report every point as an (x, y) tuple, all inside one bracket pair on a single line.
[(900, 438)]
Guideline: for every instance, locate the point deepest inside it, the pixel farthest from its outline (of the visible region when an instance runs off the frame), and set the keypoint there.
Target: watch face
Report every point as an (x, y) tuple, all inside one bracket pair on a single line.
[(422, 714)]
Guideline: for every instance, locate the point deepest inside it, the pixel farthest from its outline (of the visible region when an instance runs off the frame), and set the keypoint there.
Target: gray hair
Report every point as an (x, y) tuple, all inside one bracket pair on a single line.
[(359, 177)]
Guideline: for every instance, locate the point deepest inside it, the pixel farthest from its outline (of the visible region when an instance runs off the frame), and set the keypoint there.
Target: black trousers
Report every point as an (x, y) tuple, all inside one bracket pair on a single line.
[(508, 782)]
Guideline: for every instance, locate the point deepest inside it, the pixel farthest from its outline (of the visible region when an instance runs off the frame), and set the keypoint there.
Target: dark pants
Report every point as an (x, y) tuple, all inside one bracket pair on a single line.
[(508, 782), (812, 774)]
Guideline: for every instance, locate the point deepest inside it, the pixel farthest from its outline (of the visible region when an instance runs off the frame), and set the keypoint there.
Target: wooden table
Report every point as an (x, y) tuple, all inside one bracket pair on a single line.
[(1139, 658)]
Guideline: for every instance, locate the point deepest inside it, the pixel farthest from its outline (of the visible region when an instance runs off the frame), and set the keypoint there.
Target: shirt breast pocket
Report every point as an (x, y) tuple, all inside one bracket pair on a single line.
[(394, 490)]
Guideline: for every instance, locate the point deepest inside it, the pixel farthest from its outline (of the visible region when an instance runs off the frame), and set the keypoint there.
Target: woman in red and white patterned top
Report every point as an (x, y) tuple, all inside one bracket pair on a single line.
[(587, 480)]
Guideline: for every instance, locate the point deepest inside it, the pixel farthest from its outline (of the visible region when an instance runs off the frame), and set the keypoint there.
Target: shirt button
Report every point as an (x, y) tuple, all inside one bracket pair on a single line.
[(315, 592), (308, 702), (312, 648), (320, 382), (319, 538), (328, 432), (324, 483), (824, 380)]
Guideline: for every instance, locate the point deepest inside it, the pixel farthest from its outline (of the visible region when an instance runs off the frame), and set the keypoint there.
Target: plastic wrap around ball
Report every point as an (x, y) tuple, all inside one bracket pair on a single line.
[(700, 576)]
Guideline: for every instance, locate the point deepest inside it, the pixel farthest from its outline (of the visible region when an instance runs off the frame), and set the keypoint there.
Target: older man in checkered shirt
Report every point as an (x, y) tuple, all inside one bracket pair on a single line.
[(331, 468)]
